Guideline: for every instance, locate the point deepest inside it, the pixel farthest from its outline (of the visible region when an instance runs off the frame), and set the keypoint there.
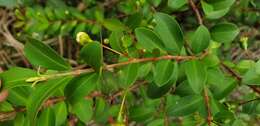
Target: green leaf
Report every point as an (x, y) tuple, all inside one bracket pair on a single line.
[(185, 106), (41, 94), (169, 31), (163, 72), (154, 91), (216, 9), (19, 96), (140, 113), (200, 40), (134, 20), (114, 25), (44, 56), (60, 110), (81, 86), (177, 4), (47, 118), (83, 110), (252, 76), (16, 76), (148, 39), (224, 32), (196, 74), (115, 41), (92, 54), (130, 73)]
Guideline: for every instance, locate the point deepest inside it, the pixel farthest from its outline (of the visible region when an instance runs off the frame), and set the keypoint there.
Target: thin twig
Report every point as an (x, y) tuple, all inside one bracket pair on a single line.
[(252, 100), (195, 9)]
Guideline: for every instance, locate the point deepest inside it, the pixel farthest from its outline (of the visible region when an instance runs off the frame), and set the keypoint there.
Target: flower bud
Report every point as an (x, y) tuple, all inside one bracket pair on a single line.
[(83, 38)]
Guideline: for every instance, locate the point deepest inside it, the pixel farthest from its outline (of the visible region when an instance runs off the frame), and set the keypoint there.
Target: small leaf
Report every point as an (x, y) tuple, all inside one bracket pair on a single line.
[(170, 32), (148, 39), (252, 76), (224, 32), (113, 25), (130, 73), (134, 20), (83, 110), (42, 93), (196, 74), (42, 55), (140, 113), (200, 40), (92, 54), (154, 91), (185, 106), (163, 72), (80, 87), (16, 76), (115, 41)]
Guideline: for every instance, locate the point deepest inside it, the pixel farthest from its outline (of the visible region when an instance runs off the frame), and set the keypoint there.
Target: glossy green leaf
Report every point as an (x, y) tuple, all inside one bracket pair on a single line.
[(114, 25), (92, 54), (163, 72), (42, 55), (42, 93), (200, 40), (154, 91), (169, 31), (47, 118), (16, 76), (176, 4), (224, 32), (196, 74), (83, 110), (19, 96), (81, 86), (148, 39), (185, 106)]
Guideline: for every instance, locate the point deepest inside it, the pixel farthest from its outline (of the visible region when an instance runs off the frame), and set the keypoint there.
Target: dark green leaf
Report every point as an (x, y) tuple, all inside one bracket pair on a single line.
[(42, 55), (196, 74), (113, 25), (148, 39), (130, 73), (185, 106), (224, 32), (163, 72), (83, 110), (60, 110), (92, 54), (42, 93), (170, 32), (80, 87), (200, 40), (47, 118), (115, 41)]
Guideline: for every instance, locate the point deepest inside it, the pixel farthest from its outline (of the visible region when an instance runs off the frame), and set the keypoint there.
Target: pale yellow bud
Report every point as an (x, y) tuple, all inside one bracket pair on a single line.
[(83, 38)]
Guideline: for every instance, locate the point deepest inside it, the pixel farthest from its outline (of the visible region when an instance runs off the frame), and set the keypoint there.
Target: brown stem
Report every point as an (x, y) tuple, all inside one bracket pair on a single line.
[(206, 97), (239, 78), (195, 9)]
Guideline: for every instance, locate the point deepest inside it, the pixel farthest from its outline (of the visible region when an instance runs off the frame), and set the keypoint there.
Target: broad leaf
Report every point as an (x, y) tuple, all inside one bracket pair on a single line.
[(92, 54), (154, 91), (130, 73), (115, 41), (185, 106), (224, 32), (196, 74), (47, 118), (16, 76), (113, 25), (42, 93), (148, 39), (81, 86), (200, 40), (83, 110), (42, 55), (163, 72), (140, 113), (60, 110), (170, 32)]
